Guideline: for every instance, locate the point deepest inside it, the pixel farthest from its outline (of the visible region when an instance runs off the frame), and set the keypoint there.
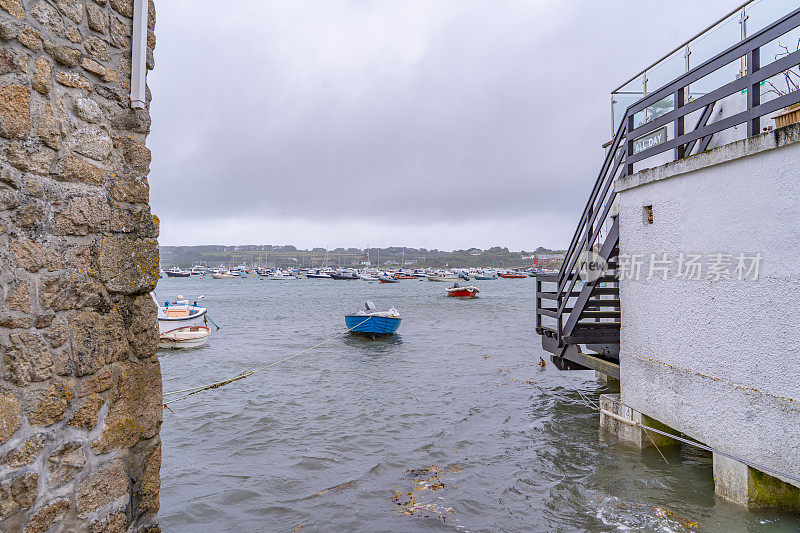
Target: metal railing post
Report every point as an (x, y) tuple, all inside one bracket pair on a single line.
[(629, 150), (559, 321), (753, 92), (679, 102)]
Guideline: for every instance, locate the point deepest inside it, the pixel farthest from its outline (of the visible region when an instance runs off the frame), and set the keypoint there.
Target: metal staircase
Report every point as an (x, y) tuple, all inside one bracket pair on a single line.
[(580, 321)]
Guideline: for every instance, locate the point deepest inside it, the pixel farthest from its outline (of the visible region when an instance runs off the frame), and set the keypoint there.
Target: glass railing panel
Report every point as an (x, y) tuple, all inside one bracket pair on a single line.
[(762, 13), (719, 39), (620, 103), (666, 71)]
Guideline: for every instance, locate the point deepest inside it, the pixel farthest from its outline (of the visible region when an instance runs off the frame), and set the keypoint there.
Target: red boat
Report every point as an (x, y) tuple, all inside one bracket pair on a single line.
[(512, 275), (463, 292)]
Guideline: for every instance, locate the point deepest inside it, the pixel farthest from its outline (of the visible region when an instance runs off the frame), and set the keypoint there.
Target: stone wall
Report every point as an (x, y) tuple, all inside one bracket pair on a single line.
[(80, 384)]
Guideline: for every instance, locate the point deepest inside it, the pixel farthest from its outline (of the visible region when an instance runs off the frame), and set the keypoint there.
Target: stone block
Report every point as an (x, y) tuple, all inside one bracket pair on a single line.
[(26, 453), (7, 62), (85, 415), (49, 17), (48, 128), (72, 9), (13, 8), (92, 142), (18, 493), (150, 483), (29, 159), (15, 111), (114, 523), (130, 189), (28, 360), (97, 49), (97, 18), (47, 516), (97, 340), (100, 382), (94, 67), (10, 417), (143, 327), (42, 80), (69, 57), (30, 39), (108, 484), (120, 33), (72, 79), (137, 410), (129, 266), (28, 254), (82, 215), (135, 154), (76, 169), (19, 299), (70, 292), (65, 464), (51, 406), (123, 7)]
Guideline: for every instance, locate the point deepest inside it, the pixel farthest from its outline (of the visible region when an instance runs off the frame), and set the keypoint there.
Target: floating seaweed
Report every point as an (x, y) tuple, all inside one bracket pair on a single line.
[(424, 479), (339, 487)]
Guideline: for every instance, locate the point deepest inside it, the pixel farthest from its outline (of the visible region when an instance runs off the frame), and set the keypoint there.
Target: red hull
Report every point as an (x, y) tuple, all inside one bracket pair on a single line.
[(513, 276), (462, 293)]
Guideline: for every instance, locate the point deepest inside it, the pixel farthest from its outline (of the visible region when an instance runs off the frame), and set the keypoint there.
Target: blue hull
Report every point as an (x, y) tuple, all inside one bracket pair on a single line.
[(372, 325)]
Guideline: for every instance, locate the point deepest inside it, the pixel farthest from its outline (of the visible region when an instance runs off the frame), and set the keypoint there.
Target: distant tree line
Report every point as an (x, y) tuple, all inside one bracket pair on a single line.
[(289, 256)]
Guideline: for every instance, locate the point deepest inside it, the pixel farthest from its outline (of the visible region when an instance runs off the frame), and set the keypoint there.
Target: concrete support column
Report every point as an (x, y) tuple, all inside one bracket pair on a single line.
[(605, 378), (629, 434), (751, 488)]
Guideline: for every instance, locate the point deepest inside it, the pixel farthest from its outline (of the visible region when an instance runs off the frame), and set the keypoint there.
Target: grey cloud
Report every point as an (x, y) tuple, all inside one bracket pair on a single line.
[(495, 110)]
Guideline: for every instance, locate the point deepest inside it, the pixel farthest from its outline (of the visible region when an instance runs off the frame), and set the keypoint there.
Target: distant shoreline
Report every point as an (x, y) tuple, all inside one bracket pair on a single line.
[(390, 257)]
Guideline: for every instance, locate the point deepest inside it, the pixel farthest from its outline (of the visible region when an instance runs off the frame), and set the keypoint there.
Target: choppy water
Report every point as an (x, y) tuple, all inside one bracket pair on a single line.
[(335, 440)]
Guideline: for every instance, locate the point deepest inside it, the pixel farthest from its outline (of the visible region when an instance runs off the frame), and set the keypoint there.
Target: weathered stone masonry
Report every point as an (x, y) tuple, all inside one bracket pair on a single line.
[(80, 384)]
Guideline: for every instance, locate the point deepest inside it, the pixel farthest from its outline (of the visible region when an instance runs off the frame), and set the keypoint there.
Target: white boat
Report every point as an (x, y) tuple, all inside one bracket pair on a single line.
[(367, 277), (222, 275), (443, 277), (176, 272), (179, 314), (281, 276), (184, 337)]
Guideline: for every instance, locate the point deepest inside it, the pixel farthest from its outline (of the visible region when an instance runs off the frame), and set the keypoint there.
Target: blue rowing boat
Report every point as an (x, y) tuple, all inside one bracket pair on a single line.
[(373, 323)]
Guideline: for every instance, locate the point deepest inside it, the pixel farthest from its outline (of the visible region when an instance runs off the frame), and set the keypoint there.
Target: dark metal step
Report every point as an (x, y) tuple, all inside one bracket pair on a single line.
[(599, 302), (608, 313)]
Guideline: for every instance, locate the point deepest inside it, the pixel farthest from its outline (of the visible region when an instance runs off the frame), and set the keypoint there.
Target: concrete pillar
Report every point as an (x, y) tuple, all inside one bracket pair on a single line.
[(632, 435), (748, 487), (605, 378)]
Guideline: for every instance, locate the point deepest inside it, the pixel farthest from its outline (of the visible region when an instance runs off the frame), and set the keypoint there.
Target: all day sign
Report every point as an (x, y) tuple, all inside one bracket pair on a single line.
[(650, 140)]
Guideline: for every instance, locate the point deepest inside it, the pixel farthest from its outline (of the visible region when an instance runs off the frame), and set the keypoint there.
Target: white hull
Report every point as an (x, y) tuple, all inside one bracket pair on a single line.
[(443, 278), (186, 337), (222, 276)]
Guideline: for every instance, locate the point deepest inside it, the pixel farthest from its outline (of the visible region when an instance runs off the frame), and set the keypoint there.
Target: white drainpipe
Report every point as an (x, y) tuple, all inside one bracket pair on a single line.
[(139, 54)]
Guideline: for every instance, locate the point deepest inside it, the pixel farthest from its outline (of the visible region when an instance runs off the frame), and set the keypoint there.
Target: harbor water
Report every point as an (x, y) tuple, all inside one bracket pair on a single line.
[(450, 425)]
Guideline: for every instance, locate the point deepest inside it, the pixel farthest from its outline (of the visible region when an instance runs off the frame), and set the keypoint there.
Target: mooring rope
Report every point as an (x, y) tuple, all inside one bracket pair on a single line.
[(595, 407), (217, 384)]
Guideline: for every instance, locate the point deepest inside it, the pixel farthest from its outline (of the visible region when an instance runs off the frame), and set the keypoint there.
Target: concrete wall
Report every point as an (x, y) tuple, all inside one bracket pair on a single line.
[(80, 384), (718, 359)]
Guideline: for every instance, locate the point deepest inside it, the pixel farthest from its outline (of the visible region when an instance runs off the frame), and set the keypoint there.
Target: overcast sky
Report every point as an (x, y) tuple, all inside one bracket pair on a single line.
[(437, 124)]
